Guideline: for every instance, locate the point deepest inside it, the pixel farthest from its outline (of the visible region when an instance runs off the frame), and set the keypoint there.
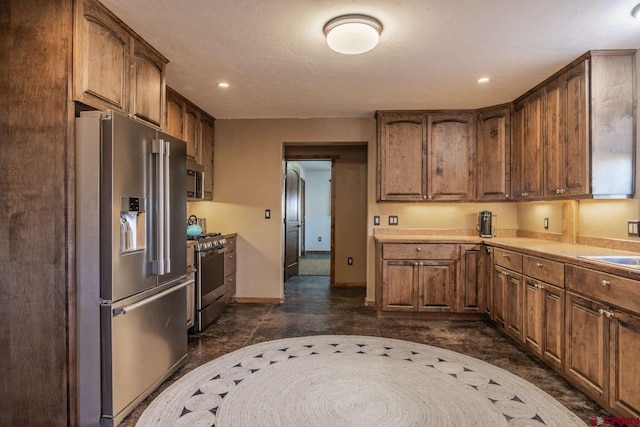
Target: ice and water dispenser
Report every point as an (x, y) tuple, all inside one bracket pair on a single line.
[(133, 224)]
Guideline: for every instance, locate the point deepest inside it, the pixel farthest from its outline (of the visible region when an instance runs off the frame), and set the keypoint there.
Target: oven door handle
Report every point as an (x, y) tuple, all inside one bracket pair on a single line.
[(211, 252), (128, 308)]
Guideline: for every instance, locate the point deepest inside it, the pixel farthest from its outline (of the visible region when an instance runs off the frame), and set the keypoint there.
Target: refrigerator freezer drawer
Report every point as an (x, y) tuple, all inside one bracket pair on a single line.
[(143, 342)]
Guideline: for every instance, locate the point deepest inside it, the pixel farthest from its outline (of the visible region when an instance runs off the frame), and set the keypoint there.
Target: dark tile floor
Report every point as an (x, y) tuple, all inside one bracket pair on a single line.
[(312, 307)]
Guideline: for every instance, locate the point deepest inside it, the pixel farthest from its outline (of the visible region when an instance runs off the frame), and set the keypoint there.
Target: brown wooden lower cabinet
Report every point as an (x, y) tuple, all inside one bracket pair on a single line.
[(587, 348), (544, 321), (624, 367), (418, 285), (508, 301)]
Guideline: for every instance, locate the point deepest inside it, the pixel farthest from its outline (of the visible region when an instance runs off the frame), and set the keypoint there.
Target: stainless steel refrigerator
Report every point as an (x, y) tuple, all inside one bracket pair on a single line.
[(131, 263)]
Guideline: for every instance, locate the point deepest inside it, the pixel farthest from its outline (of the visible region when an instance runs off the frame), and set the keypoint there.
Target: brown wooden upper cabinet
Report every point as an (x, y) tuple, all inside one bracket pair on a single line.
[(402, 166), (450, 171), (425, 156), (526, 160), (594, 97), (493, 153), (188, 122), (114, 68)]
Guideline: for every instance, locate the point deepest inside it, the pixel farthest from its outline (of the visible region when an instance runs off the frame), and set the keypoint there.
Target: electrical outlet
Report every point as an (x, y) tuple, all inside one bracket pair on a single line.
[(376, 220), (546, 223), (350, 261), (393, 219), (632, 228)]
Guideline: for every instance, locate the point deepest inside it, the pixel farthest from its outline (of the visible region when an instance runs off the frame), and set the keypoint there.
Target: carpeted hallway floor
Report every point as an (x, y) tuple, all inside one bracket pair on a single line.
[(312, 307), (318, 264)]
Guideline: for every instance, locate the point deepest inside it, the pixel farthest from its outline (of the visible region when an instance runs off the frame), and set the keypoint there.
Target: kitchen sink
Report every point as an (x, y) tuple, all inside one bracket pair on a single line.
[(626, 261)]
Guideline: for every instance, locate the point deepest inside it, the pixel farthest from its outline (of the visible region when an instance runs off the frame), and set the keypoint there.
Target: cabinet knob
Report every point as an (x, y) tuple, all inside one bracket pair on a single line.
[(416, 264), (430, 197), (489, 250), (418, 249), (605, 283), (600, 311), (539, 265), (609, 314)]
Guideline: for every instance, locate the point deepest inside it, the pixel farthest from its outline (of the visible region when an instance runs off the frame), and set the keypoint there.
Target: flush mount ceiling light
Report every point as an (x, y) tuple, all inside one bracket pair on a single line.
[(223, 85), (483, 80), (352, 34), (635, 12)]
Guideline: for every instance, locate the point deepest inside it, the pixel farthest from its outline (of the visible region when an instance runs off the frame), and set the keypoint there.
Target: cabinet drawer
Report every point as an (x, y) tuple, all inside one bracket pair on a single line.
[(229, 263), (544, 270), (608, 288), (508, 259), (231, 244), (418, 251)]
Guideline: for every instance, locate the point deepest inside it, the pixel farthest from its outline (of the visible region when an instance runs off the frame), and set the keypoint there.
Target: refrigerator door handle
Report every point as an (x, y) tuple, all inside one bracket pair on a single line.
[(158, 149), (167, 209), (129, 308)]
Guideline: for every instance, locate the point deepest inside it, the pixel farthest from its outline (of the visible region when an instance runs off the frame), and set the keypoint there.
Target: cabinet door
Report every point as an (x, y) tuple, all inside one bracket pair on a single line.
[(527, 159), (148, 86), (398, 285), (493, 150), (451, 164), (402, 143), (586, 346), (624, 365), (576, 144), (206, 138), (101, 58), (554, 139), (500, 278), (190, 134), (436, 285), (514, 295), (471, 283), (553, 325), (533, 315), (174, 123)]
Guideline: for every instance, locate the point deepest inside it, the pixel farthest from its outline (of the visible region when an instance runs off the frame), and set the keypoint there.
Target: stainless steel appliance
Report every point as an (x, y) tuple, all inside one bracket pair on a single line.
[(131, 263), (195, 181), (484, 226), (210, 279)]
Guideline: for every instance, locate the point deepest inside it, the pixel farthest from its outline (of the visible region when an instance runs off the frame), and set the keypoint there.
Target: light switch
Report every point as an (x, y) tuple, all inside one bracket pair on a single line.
[(393, 219), (632, 228), (376, 220), (267, 214)]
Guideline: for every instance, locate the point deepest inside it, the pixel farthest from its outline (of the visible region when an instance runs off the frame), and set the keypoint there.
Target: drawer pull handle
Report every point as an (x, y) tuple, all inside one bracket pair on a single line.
[(605, 283), (539, 265), (505, 256)]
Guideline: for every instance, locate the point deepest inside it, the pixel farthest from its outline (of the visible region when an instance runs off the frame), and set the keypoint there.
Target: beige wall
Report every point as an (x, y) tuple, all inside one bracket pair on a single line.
[(249, 178)]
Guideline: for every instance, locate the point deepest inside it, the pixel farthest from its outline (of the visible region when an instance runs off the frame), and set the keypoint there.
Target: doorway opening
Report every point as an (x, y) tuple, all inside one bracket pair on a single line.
[(308, 218), (329, 221)]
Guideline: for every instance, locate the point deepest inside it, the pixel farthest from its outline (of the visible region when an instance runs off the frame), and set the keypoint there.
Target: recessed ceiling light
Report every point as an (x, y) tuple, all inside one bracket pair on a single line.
[(484, 80), (223, 84), (635, 12), (352, 34)]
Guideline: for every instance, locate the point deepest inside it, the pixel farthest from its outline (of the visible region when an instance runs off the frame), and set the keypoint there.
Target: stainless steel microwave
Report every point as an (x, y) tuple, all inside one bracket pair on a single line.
[(195, 181)]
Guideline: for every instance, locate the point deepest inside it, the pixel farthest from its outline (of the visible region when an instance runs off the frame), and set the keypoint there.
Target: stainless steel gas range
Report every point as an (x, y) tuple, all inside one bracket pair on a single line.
[(210, 279)]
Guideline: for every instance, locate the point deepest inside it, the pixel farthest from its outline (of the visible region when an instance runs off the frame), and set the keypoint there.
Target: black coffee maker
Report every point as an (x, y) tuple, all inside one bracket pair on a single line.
[(484, 226)]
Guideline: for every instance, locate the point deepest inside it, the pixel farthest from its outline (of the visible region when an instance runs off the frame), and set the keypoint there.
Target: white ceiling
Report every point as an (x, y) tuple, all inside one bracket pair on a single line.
[(431, 52)]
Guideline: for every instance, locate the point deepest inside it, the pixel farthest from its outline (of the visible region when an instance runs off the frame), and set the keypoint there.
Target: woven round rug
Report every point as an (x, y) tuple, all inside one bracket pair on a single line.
[(338, 380)]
